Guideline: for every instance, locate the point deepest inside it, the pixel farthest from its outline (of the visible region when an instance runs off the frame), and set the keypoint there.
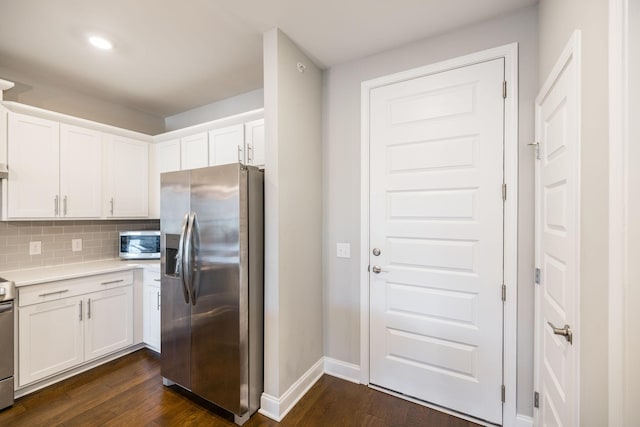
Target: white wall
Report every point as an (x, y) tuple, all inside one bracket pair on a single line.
[(216, 110), (29, 90), (558, 19), (293, 214), (341, 158)]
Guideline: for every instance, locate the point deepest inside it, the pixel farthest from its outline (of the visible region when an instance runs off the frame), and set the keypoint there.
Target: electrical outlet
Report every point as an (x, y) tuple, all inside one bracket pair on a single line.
[(76, 245), (343, 250), (35, 248)]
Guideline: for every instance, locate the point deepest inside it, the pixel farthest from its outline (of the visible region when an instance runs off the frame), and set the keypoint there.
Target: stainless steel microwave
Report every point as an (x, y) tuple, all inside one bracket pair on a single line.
[(140, 244)]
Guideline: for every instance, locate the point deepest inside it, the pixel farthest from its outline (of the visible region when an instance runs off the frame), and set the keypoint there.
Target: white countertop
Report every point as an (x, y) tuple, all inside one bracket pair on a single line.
[(53, 273)]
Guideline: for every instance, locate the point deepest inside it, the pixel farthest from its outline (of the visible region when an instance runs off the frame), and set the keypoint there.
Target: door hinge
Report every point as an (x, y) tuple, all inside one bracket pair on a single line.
[(504, 192), (503, 393), (504, 89), (536, 399), (536, 276), (504, 292)]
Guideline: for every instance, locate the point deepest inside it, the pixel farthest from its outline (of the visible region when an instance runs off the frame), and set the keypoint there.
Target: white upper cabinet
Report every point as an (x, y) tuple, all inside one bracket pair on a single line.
[(226, 145), (195, 151), (33, 153), (168, 156), (254, 142), (127, 177), (80, 172)]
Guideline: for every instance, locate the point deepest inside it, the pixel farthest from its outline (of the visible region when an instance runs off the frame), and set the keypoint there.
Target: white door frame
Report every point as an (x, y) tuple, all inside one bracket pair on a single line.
[(510, 54), (618, 203)]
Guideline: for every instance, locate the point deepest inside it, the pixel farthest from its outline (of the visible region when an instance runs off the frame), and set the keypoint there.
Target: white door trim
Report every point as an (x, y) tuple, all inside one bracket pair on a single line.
[(618, 202), (572, 51), (510, 54)]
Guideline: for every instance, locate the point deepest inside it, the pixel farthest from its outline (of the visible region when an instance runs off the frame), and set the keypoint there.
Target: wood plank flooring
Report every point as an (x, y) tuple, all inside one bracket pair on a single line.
[(129, 392)]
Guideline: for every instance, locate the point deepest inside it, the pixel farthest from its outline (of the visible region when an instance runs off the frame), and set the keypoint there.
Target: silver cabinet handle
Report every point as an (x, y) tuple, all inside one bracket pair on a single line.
[(55, 205), (156, 280), (566, 332), (239, 153), (64, 206), (158, 301), (249, 153), (80, 310), (111, 282), (377, 269), (111, 201), (53, 293), (89, 308)]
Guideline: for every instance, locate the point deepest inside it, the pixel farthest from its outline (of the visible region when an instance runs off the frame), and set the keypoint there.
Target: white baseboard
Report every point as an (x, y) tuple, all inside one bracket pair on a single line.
[(524, 421), (343, 370), (277, 408)]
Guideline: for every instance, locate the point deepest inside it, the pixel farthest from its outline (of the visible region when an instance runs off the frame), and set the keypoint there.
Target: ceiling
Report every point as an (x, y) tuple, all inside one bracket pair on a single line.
[(170, 56)]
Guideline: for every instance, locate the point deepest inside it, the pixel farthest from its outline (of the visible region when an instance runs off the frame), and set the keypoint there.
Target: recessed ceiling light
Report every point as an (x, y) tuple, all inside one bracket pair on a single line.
[(100, 43)]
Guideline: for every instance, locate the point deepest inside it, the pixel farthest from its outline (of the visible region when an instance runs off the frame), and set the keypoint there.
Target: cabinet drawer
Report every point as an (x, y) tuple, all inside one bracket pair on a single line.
[(53, 291), (151, 277)]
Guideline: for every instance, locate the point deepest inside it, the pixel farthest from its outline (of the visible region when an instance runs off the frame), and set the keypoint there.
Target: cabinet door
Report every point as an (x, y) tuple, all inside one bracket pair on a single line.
[(127, 168), (151, 316), (226, 145), (194, 151), (109, 324), (254, 142), (168, 156), (80, 172), (33, 162), (50, 338)]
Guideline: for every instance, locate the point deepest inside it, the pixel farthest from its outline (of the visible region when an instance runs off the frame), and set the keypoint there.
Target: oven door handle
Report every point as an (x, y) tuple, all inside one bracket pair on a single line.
[(6, 306)]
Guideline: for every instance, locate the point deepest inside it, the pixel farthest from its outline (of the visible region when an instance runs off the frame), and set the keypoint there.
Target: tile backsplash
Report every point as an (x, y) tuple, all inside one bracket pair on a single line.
[(99, 241)]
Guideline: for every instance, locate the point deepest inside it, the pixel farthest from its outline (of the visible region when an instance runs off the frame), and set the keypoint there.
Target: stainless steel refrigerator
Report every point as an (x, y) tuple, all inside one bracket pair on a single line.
[(212, 248)]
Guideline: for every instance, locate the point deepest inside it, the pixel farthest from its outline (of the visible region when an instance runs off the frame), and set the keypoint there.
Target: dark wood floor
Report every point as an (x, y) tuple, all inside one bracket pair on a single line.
[(129, 392)]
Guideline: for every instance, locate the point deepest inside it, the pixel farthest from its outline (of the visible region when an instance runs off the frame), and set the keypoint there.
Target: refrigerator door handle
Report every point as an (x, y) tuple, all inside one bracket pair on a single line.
[(194, 271), (186, 258), (179, 271)]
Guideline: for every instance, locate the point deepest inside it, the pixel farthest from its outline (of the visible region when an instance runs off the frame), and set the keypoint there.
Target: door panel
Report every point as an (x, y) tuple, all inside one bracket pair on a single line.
[(436, 214), (109, 325), (557, 226)]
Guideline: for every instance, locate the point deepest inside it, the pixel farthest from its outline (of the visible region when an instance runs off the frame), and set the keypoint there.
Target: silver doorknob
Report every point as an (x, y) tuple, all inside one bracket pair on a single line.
[(566, 332), (376, 252), (376, 269)]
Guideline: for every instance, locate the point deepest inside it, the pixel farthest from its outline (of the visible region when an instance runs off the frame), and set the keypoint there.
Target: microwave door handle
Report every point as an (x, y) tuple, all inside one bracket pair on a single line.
[(186, 258), (194, 246), (179, 270)]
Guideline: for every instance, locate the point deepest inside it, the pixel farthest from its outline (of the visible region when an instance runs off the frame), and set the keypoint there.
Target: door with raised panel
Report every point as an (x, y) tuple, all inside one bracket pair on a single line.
[(109, 321), (151, 316), (254, 142), (127, 171), (226, 145), (557, 244), (50, 338), (195, 151), (436, 236), (33, 163), (80, 172)]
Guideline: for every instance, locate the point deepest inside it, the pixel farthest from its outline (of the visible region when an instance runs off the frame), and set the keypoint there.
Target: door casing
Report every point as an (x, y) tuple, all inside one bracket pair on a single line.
[(510, 54)]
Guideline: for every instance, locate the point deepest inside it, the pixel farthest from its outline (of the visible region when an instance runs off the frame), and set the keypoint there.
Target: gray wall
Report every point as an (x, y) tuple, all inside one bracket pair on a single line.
[(341, 158), (216, 110), (558, 19), (293, 214), (64, 99)]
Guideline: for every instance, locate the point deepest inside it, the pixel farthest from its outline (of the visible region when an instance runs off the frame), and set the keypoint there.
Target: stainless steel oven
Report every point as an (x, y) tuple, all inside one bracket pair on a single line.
[(7, 294)]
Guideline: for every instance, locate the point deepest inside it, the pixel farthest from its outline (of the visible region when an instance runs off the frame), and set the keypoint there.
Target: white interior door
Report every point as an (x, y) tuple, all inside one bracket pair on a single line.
[(436, 218), (557, 243)]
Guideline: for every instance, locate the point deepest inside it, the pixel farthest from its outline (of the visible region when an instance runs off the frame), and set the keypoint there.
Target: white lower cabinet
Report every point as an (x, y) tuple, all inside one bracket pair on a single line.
[(151, 309), (64, 324)]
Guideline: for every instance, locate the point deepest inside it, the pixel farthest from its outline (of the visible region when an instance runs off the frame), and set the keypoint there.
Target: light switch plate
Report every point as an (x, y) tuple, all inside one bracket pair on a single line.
[(343, 250), (76, 245), (35, 248)]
